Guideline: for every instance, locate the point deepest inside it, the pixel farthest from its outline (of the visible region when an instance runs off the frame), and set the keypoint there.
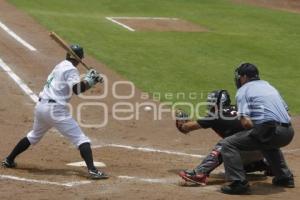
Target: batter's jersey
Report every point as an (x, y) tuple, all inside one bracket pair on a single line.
[(225, 124), (60, 83), (261, 102)]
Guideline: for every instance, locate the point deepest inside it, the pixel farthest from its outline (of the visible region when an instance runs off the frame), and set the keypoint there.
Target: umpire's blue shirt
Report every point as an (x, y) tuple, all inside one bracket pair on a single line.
[(261, 102)]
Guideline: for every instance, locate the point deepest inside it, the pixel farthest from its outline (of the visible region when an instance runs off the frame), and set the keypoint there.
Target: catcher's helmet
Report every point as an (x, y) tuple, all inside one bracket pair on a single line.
[(248, 69), (219, 98), (78, 50)]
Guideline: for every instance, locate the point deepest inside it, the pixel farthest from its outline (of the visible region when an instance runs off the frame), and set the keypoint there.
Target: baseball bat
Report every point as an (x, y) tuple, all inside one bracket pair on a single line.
[(66, 47)]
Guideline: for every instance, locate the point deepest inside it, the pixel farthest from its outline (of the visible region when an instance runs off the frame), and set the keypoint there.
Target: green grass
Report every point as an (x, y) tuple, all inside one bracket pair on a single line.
[(170, 62)]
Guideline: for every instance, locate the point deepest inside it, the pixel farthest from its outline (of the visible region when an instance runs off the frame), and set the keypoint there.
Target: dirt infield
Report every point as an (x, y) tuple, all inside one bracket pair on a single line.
[(287, 5), (135, 173), (160, 24)]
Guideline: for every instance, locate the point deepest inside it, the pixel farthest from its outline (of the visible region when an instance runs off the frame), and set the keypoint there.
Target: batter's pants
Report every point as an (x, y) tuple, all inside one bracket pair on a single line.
[(48, 115)]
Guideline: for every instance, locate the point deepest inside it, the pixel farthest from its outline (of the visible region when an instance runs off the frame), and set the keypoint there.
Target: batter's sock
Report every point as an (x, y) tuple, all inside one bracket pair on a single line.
[(19, 148), (87, 155)]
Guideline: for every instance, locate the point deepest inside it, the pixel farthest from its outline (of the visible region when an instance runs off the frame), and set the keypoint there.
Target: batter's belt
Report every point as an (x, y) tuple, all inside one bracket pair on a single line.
[(47, 100)]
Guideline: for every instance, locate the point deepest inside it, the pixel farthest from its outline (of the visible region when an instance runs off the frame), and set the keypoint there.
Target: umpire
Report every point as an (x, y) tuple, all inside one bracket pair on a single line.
[(264, 113)]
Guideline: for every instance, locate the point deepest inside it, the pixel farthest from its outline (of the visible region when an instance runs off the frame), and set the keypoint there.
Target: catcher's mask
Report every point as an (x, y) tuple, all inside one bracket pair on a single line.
[(219, 99), (78, 50), (248, 69)]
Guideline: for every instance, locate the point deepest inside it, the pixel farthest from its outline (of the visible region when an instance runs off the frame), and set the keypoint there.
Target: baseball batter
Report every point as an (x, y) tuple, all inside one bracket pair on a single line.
[(52, 111), (222, 118)]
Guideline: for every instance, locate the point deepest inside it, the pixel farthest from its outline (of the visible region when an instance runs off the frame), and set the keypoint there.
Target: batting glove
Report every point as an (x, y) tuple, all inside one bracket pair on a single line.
[(93, 77)]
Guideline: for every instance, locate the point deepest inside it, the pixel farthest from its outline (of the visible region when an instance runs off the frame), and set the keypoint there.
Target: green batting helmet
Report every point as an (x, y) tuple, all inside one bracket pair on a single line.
[(78, 50)]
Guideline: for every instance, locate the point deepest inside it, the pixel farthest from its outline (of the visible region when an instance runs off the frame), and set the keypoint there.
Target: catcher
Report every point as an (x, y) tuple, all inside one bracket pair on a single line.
[(222, 118)]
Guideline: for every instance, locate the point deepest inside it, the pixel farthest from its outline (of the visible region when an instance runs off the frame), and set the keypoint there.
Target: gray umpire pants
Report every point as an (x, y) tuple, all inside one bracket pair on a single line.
[(267, 138)]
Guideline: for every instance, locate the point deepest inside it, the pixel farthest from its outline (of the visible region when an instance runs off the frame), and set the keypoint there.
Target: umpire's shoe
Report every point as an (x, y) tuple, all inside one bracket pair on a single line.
[(8, 163), (96, 174), (287, 182), (236, 187)]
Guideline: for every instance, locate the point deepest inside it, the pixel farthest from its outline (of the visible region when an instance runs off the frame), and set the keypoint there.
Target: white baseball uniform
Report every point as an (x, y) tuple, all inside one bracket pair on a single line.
[(52, 110)]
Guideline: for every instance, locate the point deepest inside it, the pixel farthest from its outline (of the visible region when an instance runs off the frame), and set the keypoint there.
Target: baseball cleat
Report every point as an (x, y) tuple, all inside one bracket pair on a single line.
[(287, 182), (96, 174), (236, 187), (193, 177), (8, 164)]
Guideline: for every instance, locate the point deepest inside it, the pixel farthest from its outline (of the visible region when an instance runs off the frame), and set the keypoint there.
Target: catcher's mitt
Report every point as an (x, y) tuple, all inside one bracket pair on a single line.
[(181, 118)]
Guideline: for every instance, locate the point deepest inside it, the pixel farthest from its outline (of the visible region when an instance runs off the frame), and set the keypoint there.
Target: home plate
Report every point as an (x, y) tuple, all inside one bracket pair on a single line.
[(82, 164)]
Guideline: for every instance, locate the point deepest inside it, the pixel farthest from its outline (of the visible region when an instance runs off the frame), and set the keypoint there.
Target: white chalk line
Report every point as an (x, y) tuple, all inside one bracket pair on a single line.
[(121, 24), (79, 183), (172, 180), (291, 150), (16, 37), (144, 149), (146, 18), (67, 184), (18, 80)]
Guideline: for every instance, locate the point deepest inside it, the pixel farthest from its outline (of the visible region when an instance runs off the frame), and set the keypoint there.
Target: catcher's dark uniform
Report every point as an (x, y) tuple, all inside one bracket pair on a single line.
[(225, 124)]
